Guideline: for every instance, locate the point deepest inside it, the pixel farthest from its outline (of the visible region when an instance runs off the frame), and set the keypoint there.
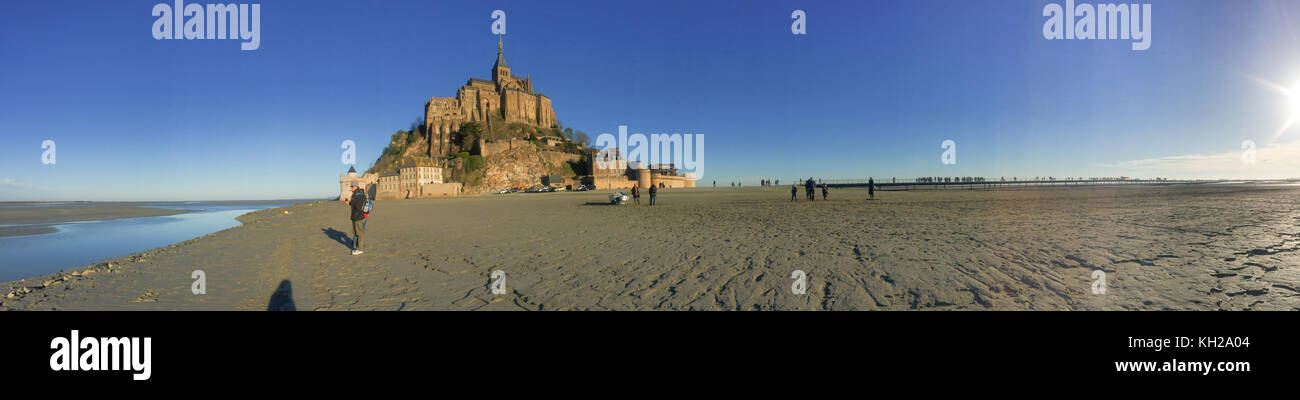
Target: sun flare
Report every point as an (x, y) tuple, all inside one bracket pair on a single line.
[(1292, 96)]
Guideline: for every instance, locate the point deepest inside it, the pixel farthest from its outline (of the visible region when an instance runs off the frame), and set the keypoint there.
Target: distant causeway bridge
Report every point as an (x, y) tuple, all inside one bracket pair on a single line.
[(977, 183)]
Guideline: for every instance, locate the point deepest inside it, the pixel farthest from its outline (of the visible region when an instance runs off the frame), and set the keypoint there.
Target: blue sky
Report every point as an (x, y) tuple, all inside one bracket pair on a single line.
[(871, 90)]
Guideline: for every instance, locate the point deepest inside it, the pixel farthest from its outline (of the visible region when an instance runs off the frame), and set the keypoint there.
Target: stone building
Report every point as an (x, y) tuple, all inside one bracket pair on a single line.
[(417, 177), (506, 95), (551, 141), (390, 184), (419, 171), (367, 182), (609, 170)]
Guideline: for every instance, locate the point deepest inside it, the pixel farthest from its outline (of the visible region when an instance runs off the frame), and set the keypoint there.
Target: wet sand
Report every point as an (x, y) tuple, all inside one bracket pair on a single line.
[(21, 219), (1180, 247)]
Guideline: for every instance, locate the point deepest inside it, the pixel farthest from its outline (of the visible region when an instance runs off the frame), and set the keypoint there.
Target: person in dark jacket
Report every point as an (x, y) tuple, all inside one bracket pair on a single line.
[(636, 194), (824, 191), (871, 188), (794, 193), (808, 190), (358, 204), (653, 192)]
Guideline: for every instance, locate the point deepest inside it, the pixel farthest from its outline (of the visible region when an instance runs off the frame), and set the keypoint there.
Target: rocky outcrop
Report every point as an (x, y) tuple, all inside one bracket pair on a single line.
[(521, 166)]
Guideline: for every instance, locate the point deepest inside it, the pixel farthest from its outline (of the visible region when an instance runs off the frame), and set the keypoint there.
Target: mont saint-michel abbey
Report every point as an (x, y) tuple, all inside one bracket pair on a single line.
[(506, 99), (509, 96)]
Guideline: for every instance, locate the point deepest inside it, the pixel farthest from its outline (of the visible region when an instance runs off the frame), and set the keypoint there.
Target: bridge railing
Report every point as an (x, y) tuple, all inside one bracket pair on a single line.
[(924, 183)]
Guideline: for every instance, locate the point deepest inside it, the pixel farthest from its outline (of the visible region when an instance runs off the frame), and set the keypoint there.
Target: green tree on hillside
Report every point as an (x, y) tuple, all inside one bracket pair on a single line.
[(396, 143), (467, 136)]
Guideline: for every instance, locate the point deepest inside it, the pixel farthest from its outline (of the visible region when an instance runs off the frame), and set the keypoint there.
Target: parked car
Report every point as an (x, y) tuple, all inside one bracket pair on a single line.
[(618, 198), (504, 191)]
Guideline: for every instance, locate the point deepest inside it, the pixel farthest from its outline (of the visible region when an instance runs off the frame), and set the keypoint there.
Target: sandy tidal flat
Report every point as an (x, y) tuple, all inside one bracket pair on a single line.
[(1183, 247), (36, 218)]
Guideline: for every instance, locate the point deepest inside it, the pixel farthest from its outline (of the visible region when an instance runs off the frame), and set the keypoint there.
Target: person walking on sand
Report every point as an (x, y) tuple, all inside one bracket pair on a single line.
[(808, 189), (871, 188), (636, 194), (653, 192), (357, 205), (794, 192), (824, 191)]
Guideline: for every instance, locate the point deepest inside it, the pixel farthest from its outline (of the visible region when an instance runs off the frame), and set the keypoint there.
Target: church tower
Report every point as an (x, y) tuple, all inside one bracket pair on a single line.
[(500, 71)]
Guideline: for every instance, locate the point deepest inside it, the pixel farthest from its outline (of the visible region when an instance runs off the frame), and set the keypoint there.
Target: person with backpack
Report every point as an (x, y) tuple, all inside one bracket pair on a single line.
[(653, 192), (360, 207)]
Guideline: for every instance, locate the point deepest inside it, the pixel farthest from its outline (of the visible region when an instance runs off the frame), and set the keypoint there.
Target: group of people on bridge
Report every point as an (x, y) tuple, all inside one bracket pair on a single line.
[(810, 187)]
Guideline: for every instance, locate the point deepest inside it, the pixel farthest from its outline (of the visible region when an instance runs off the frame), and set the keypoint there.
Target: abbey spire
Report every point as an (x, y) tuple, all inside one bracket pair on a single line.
[(500, 71), (504, 99)]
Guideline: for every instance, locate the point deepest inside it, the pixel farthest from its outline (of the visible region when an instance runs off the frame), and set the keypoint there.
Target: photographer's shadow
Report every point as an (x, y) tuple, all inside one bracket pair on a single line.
[(282, 299)]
